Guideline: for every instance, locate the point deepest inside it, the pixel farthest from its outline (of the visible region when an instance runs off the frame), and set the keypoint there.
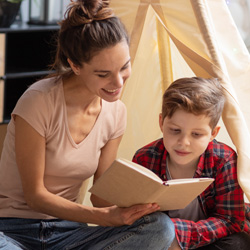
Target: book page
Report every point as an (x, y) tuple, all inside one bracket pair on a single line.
[(141, 169), (184, 180)]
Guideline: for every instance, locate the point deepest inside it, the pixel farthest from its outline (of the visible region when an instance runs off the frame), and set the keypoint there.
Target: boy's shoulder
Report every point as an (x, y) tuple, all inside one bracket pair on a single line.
[(216, 156), (151, 155), (155, 147), (219, 149)]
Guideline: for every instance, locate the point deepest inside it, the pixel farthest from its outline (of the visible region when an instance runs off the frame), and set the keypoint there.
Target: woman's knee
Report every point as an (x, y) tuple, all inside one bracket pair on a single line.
[(162, 225)]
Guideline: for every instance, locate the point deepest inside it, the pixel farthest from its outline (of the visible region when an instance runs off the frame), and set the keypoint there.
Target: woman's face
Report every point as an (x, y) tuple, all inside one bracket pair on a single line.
[(107, 71)]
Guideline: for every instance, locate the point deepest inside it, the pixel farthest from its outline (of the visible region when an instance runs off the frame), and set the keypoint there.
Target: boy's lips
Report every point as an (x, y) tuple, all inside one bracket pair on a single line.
[(181, 153)]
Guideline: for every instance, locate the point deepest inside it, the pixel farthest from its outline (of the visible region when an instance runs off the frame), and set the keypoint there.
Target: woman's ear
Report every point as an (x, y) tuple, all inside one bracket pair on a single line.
[(215, 132), (75, 68), (160, 121)]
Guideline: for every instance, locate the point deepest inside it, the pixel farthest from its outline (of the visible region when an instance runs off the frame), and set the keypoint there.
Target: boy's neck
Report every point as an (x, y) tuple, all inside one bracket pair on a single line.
[(180, 172)]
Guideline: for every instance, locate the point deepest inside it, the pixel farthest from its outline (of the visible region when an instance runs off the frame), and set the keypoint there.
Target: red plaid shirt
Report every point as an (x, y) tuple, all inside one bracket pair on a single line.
[(222, 202)]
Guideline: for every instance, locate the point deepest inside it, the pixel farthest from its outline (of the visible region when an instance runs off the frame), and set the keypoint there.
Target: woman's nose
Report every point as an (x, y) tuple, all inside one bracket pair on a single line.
[(119, 80)]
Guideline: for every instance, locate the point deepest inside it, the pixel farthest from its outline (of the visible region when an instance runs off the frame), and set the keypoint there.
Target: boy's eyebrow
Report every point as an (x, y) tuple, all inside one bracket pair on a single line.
[(199, 129), (106, 71), (174, 124)]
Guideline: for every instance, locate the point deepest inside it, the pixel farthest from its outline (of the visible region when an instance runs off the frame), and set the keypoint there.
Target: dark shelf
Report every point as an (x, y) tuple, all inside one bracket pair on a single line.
[(24, 74), (24, 27), (29, 50), (14, 88)]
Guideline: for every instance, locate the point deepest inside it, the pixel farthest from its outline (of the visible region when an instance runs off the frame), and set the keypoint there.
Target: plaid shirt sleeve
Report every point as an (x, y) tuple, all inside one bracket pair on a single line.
[(222, 202)]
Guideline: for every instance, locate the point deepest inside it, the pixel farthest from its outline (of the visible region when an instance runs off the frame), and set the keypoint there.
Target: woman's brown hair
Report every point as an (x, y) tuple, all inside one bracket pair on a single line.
[(88, 27)]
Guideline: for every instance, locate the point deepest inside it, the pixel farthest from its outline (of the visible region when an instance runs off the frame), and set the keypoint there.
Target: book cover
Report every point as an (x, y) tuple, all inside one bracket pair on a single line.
[(126, 183)]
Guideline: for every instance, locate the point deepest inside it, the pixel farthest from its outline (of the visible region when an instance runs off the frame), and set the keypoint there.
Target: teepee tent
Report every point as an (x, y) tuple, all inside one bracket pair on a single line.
[(179, 38)]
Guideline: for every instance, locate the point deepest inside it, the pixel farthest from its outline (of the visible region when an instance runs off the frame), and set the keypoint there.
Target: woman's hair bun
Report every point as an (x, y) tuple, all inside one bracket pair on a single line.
[(85, 11)]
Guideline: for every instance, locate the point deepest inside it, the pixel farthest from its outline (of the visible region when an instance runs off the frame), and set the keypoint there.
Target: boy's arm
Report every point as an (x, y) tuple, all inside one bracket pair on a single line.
[(223, 202)]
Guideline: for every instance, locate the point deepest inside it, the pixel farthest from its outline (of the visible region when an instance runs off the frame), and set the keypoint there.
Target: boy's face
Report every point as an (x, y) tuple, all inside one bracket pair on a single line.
[(186, 136)]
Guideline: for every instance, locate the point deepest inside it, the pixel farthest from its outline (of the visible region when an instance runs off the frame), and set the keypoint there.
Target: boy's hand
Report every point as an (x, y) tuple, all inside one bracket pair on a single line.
[(115, 216), (174, 245)]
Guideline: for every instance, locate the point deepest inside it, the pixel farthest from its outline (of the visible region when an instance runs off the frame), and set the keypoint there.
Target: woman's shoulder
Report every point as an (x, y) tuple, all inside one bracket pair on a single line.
[(114, 107), (115, 104), (113, 118), (39, 96), (45, 85)]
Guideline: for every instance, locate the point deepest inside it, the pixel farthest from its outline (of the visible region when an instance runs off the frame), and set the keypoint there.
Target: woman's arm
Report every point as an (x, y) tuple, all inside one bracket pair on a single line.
[(108, 155), (30, 157)]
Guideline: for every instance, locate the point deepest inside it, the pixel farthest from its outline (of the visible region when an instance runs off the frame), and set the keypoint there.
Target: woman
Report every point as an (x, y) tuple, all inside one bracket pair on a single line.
[(64, 129)]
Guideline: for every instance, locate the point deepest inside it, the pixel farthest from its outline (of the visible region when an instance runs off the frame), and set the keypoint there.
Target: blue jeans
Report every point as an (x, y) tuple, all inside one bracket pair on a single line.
[(154, 231)]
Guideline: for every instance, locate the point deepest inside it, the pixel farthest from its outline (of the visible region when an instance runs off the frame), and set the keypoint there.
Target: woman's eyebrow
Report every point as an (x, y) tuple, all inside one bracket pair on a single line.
[(106, 71)]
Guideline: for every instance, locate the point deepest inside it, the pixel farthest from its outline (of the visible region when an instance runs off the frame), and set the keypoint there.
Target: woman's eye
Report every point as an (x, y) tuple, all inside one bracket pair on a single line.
[(125, 67)]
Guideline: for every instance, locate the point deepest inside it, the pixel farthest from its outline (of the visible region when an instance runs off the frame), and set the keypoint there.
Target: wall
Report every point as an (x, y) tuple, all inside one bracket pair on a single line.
[(25, 7)]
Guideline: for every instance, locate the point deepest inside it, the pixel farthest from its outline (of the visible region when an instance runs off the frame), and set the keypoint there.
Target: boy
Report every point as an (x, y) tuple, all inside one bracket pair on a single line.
[(218, 217)]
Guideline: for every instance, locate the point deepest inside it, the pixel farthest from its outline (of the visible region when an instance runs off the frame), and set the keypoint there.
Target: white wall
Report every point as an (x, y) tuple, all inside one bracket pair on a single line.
[(240, 10), (25, 7)]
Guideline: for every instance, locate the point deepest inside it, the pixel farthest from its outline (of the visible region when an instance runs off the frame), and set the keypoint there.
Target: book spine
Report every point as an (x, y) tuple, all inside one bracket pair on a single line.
[(165, 183)]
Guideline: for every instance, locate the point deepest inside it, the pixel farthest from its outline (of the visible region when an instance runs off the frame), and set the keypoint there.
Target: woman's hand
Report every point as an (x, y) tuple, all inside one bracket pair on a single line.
[(115, 216)]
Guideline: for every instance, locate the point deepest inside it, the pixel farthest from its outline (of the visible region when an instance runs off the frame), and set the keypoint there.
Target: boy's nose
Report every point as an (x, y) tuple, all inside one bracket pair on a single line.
[(184, 140)]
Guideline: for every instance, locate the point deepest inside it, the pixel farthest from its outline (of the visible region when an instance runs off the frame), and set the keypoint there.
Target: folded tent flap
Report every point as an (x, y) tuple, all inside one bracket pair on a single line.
[(196, 42)]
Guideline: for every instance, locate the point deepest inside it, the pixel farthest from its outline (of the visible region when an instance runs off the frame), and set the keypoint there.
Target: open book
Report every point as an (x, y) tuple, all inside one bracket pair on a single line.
[(126, 183)]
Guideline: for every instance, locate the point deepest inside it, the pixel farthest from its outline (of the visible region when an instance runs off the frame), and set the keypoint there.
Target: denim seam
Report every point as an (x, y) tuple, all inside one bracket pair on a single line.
[(88, 239), (127, 236), (119, 241), (122, 239)]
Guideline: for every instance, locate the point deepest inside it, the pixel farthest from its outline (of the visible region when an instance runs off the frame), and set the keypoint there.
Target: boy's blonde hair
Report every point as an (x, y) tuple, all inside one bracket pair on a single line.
[(195, 95)]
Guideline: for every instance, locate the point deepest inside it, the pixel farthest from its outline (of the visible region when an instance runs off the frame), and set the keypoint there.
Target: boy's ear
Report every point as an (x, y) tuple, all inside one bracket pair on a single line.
[(75, 68), (160, 121), (215, 132)]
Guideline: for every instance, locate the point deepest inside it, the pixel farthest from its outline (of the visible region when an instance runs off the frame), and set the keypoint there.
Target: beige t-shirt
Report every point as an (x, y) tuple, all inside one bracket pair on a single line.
[(67, 163)]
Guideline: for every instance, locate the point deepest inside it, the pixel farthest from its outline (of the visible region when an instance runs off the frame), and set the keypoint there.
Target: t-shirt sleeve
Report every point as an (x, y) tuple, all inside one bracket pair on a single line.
[(33, 107), (120, 120)]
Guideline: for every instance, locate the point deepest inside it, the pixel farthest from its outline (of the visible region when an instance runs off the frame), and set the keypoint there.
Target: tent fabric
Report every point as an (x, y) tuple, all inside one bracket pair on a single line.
[(179, 38)]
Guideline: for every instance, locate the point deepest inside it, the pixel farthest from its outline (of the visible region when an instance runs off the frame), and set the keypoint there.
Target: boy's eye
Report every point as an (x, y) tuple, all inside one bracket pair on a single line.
[(175, 130), (102, 76), (197, 134)]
